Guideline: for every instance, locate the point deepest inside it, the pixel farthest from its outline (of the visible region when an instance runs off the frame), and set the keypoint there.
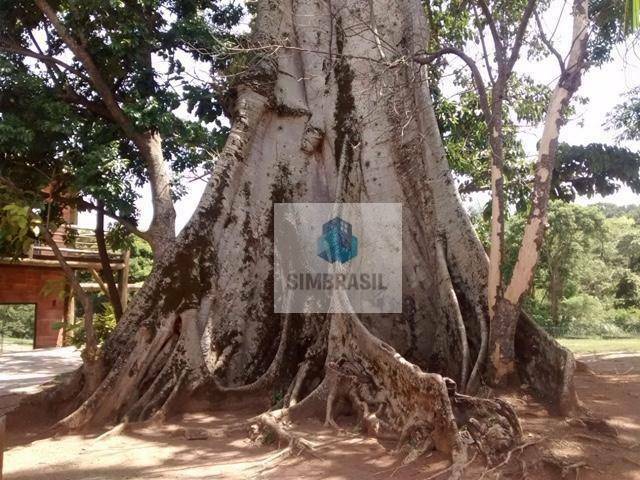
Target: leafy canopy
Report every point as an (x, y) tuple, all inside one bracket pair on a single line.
[(55, 129)]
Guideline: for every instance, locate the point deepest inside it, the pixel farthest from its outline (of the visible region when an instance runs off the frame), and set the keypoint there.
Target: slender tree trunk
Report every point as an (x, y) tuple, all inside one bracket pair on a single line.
[(162, 230), (496, 252), (502, 351), (90, 354), (69, 314), (107, 272), (149, 144)]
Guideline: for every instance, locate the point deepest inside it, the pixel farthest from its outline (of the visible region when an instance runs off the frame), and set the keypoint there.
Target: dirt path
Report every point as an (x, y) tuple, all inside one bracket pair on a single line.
[(24, 372), (163, 453)]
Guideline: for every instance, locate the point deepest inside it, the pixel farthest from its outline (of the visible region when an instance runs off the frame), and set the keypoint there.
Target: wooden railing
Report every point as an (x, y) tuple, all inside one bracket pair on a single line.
[(80, 238), (75, 242)]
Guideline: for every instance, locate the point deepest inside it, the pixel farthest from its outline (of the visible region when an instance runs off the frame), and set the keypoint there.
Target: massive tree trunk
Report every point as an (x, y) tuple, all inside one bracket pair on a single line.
[(341, 95)]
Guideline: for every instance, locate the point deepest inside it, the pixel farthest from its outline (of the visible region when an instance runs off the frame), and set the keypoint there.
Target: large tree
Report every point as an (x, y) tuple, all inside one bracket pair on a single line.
[(93, 103), (93, 98), (332, 105)]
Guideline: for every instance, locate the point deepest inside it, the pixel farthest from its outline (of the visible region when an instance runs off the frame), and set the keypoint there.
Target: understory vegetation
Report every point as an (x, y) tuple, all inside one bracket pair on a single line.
[(588, 281), (105, 320), (16, 320)]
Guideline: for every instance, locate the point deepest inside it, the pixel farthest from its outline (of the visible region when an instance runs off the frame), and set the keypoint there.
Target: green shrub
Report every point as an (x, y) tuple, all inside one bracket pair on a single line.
[(103, 323), (628, 320), (539, 312), (628, 291), (585, 315), (17, 321)]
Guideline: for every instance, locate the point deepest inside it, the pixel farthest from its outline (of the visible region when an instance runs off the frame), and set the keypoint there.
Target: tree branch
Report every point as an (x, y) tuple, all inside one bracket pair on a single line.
[(149, 143), (71, 96), (55, 72), (107, 272), (425, 58), (91, 341), (47, 59), (548, 43), (566, 87), (128, 224), (497, 41), (95, 77), (485, 52), (522, 30)]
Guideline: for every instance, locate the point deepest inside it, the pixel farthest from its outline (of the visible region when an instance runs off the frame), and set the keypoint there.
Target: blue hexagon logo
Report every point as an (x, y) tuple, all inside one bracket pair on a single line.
[(337, 243)]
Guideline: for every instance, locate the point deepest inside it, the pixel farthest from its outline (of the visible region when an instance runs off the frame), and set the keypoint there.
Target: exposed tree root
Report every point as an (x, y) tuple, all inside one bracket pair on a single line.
[(452, 310), (293, 394), (492, 424), (507, 458), (474, 377), (393, 398), (206, 311), (269, 376), (269, 428)]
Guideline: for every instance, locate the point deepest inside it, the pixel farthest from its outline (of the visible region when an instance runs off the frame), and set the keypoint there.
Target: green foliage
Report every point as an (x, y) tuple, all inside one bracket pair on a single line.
[(586, 269), (141, 260), (17, 321), (572, 230), (611, 210), (104, 323), (16, 229), (466, 139), (594, 169), (626, 116), (628, 320), (141, 255), (585, 315), (608, 28), (580, 170), (55, 129), (628, 291)]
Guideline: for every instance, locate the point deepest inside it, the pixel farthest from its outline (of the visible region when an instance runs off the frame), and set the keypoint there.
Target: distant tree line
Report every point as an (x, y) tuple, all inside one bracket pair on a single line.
[(588, 280)]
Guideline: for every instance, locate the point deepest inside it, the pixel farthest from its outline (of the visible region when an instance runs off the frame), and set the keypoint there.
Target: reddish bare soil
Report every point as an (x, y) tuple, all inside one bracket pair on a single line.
[(557, 448)]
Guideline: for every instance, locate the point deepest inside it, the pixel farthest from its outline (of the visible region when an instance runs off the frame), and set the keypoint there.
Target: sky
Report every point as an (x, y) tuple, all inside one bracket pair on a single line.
[(604, 87)]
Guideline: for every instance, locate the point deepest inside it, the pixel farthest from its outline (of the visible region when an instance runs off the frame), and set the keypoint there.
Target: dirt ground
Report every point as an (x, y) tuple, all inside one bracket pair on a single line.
[(24, 371), (557, 448)]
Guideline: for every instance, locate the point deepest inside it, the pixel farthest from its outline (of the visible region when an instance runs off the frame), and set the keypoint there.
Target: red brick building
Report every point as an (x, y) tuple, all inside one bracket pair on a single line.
[(30, 284), (38, 279)]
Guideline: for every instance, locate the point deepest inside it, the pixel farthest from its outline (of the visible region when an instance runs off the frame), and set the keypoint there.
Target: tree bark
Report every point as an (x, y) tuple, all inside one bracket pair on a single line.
[(90, 354), (161, 232), (507, 309), (107, 272), (334, 114)]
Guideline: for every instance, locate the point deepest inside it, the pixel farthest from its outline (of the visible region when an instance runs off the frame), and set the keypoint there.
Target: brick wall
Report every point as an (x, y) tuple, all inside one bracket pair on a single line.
[(24, 284)]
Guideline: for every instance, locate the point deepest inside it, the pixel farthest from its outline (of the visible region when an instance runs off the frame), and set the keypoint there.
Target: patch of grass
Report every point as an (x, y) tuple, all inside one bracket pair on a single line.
[(587, 345), (11, 344)]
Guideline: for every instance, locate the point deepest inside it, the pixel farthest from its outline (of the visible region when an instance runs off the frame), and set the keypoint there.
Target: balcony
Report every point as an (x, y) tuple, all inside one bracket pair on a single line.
[(78, 246)]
